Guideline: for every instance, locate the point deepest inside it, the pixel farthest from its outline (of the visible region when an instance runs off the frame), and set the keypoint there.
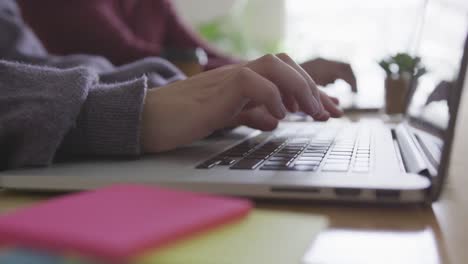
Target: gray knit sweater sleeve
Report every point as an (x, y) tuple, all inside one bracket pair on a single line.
[(109, 121), (60, 106), (43, 110)]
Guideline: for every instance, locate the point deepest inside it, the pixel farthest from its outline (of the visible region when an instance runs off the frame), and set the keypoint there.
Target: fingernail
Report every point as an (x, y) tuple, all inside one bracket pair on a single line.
[(323, 116), (340, 111), (314, 106), (322, 107), (284, 110), (281, 111)]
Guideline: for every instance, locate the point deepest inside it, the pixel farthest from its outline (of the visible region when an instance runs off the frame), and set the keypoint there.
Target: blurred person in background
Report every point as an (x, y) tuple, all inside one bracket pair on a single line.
[(127, 30)]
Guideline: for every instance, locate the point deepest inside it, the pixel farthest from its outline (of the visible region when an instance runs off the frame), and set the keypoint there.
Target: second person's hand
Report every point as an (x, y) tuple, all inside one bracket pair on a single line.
[(325, 72)]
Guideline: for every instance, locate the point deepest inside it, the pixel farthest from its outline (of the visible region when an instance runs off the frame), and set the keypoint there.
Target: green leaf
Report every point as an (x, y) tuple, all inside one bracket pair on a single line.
[(211, 30), (405, 63)]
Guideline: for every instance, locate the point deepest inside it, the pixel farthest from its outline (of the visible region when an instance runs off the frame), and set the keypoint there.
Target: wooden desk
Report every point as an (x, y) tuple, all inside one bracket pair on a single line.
[(358, 234)]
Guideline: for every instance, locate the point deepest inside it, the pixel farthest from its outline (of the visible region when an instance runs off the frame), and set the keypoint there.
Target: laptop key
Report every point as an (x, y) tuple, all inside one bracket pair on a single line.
[(288, 151), (315, 151), (208, 164), (307, 162), (292, 148), (285, 155), (227, 161), (247, 164), (305, 154), (278, 140), (349, 154), (341, 150), (296, 144), (266, 150), (363, 158), (368, 150), (337, 161), (320, 144), (272, 144), (276, 162), (364, 151), (275, 167), (305, 167), (234, 153), (249, 145), (256, 156), (239, 149), (310, 158), (261, 150), (339, 157), (279, 159)]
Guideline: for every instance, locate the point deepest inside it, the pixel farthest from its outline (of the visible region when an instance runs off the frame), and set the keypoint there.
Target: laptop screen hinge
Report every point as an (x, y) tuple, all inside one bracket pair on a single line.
[(411, 154)]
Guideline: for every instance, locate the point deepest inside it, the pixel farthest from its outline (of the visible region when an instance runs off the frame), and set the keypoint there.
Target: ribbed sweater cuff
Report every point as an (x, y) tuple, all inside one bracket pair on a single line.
[(109, 122)]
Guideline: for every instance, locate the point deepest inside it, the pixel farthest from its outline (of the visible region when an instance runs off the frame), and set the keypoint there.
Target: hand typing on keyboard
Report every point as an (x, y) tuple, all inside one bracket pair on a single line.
[(257, 94)]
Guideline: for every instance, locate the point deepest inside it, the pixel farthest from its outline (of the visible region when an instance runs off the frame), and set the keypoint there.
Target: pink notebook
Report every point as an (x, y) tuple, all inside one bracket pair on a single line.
[(117, 222)]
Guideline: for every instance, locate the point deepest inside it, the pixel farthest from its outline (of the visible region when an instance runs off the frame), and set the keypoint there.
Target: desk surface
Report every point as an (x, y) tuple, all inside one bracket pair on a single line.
[(358, 234)]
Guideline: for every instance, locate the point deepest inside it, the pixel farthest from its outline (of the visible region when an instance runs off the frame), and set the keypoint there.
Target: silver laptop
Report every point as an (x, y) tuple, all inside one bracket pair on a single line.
[(339, 160)]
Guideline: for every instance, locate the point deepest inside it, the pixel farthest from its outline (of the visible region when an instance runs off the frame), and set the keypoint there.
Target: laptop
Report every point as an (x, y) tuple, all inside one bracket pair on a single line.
[(338, 160)]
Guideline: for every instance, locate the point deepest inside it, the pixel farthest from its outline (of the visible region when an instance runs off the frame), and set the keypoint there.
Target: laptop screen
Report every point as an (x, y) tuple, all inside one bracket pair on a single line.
[(441, 47), (435, 95)]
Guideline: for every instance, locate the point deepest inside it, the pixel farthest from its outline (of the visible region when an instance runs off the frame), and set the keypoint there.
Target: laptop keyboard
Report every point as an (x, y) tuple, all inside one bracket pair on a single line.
[(338, 150)]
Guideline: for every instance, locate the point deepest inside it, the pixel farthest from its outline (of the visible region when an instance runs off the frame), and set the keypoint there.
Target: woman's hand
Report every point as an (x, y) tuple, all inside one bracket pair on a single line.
[(257, 94), (327, 71)]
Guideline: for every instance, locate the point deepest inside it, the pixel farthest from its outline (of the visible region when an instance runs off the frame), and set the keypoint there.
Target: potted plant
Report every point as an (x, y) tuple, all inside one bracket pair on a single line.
[(401, 70)]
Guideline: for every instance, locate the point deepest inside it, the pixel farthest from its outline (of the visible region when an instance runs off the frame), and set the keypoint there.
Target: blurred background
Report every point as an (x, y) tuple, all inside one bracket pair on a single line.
[(360, 32)]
